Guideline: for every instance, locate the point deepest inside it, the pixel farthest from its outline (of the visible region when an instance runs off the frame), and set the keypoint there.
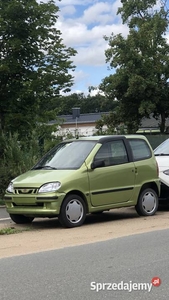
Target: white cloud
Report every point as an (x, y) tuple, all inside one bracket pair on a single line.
[(79, 34), (100, 12), (76, 2), (70, 2), (93, 56), (68, 10), (73, 33), (96, 91), (83, 24), (89, 43), (85, 31), (79, 75)]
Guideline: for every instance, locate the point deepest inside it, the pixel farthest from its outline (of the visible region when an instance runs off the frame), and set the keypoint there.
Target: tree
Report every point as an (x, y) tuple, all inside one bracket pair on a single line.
[(112, 123), (86, 103), (141, 60), (34, 64), (67, 102)]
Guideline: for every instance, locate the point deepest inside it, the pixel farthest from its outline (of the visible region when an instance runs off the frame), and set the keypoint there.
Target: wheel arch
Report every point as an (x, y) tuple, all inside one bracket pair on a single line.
[(80, 194), (151, 185)]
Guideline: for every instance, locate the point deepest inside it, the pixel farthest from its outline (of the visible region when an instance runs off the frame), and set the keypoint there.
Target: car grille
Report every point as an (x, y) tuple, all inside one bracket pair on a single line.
[(23, 205), (24, 191)]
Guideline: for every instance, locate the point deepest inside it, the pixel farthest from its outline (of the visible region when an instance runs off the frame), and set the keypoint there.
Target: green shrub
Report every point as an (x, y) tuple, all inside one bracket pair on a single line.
[(16, 157)]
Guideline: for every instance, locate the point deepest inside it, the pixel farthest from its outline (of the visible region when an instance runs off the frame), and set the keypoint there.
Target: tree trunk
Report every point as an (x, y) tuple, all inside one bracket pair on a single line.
[(162, 123)]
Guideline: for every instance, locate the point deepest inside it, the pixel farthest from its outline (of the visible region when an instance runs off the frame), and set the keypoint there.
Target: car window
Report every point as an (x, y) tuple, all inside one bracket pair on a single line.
[(140, 149), (162, 149), (67, 155), (112, 153)]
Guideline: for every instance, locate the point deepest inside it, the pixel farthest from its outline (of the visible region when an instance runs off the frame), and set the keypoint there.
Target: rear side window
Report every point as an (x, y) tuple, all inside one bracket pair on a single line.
[(140, 149)]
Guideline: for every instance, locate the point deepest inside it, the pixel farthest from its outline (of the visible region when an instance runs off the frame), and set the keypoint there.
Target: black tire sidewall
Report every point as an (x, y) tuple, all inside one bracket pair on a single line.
[(21, 219), (139, 206), (62, 216)]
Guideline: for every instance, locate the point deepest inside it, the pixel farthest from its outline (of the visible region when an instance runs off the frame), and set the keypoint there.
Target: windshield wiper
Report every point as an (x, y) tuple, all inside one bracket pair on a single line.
[(161, 154), (44, 167)]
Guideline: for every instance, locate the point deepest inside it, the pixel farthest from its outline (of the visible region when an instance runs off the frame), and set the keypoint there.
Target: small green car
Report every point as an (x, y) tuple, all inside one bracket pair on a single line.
[(87, 175)]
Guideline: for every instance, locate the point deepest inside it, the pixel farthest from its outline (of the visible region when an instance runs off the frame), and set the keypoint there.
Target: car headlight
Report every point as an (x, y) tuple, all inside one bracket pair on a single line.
[(166, 172), (10, 188), (50, 187)]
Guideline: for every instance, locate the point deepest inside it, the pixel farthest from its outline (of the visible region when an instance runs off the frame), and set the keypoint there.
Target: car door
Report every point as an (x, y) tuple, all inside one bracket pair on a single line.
[(114, 182)]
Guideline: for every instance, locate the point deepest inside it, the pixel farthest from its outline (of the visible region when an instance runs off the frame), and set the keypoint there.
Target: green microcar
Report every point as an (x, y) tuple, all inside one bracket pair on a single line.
[(87, 175)]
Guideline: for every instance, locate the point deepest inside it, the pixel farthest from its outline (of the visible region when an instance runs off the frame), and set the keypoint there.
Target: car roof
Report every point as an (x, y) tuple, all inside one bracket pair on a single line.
[(103, 138)]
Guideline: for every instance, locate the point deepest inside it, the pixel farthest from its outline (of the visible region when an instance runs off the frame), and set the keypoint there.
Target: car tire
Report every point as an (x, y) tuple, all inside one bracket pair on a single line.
[(20, 219), (147, 203), (73, 211)]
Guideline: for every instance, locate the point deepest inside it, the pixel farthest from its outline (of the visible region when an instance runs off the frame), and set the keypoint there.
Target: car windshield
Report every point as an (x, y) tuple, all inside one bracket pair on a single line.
[(162, 149), (66, 155)]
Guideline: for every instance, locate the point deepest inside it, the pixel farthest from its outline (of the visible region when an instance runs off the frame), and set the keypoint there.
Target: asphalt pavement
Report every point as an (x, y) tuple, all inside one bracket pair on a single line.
[(133, 267), (4, 216)]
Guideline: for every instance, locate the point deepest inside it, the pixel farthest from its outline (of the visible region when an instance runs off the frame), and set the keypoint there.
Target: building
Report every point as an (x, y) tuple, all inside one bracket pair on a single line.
[(85, 124)]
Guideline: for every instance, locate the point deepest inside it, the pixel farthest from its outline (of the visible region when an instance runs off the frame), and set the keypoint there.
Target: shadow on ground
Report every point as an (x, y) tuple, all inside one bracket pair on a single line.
[(109, 216)]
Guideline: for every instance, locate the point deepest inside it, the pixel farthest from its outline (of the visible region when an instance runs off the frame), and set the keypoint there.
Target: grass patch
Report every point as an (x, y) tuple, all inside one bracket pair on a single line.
[(12, 230)]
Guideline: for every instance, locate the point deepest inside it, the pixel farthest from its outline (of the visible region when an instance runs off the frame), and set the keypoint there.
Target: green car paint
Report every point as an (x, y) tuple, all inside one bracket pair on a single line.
[(87, 175)]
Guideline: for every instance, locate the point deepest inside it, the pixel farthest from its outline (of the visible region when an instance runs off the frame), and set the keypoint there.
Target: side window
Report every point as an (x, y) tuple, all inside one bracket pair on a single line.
[(112, 153), (140, 149), (119, 153)]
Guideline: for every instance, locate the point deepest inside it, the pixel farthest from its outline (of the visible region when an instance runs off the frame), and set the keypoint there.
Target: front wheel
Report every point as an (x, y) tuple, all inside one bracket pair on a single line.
[(73, 211), (147, 203), (20, 219)]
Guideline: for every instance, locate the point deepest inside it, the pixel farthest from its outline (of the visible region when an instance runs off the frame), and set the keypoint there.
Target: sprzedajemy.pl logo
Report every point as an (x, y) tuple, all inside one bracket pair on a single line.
[(125, 286)]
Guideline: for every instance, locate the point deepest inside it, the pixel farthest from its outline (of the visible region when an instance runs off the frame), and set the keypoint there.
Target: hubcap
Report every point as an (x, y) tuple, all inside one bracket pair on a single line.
[(74, 211), (149, 202)]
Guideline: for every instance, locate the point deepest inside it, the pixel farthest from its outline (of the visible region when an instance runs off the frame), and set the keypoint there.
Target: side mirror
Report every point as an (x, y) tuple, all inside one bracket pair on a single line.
[(97, 164)]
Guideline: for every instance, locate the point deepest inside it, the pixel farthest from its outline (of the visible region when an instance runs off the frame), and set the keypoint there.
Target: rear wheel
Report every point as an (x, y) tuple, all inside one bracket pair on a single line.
[(147, 203), (20, 219), (73, 211)]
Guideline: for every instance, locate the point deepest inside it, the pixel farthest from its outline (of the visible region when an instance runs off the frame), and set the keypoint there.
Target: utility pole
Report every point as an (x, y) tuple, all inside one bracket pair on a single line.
[(76, 115)]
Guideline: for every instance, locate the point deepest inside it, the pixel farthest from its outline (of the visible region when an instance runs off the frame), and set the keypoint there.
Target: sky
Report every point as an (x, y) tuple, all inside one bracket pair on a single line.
[(83, 24)]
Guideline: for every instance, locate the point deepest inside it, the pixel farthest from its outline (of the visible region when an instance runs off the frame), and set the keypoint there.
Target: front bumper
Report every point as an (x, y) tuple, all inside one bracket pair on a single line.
[(36, 206), (164, 195)]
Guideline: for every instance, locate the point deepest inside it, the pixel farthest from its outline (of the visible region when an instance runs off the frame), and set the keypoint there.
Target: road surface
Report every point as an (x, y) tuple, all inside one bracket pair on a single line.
[(76, 272), (4, 216)]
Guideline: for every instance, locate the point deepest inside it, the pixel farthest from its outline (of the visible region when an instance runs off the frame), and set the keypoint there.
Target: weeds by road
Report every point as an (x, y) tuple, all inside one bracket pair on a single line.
[(12, 230)]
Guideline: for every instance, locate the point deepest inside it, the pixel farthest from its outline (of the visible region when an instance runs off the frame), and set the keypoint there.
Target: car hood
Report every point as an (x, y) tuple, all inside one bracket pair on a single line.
[(163, 162), (35, 178)]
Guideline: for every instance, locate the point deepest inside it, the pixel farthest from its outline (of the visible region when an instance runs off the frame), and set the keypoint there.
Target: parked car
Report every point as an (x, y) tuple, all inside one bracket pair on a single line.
[(87, 175), (162, 156)]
